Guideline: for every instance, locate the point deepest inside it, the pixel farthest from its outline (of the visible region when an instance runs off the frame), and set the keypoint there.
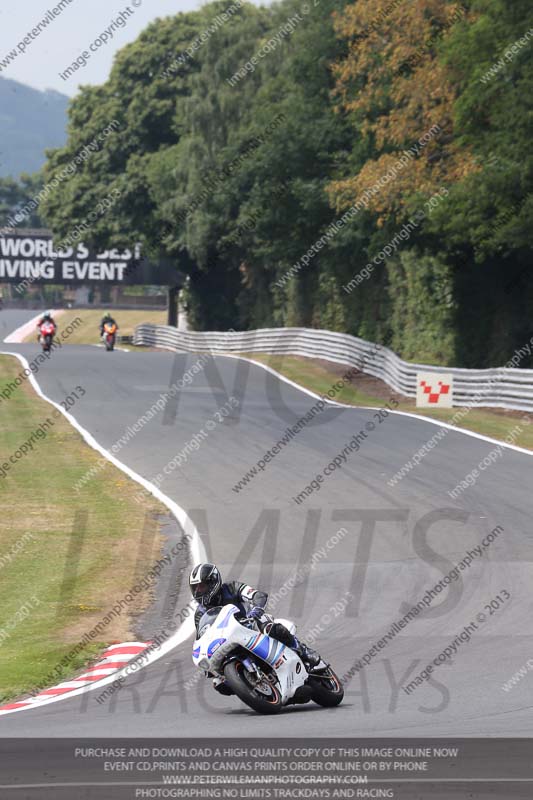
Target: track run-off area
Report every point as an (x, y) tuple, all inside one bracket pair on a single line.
[(347, 563)]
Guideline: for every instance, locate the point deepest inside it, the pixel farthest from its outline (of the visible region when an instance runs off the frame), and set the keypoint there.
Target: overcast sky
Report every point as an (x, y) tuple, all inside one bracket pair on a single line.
[(60, 43)]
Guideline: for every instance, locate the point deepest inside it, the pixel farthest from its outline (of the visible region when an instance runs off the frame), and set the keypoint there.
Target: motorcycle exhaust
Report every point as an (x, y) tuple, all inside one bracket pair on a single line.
[(301, 695)]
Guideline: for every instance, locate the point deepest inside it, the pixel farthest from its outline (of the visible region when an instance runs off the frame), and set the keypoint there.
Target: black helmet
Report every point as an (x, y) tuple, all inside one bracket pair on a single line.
[(205, 581), (47, 315)]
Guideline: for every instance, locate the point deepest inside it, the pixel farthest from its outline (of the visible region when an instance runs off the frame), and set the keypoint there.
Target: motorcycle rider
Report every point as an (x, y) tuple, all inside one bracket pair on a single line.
[(47, 317), (107, 319), (208, 591)]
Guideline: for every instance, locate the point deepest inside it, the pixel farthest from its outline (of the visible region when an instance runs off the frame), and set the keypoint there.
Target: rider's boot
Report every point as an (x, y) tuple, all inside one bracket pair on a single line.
[(307, 654), (310, 657)]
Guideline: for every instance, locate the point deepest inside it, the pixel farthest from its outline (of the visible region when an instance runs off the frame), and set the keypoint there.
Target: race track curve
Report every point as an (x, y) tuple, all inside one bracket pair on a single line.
[(398, 542)]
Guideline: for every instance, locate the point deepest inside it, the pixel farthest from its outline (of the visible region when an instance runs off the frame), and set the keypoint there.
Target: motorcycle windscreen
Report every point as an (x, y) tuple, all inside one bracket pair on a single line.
[(207, 620)]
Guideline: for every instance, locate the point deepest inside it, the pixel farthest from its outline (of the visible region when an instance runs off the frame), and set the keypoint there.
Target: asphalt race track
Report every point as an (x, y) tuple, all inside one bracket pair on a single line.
[(11, 319), (399, 541)]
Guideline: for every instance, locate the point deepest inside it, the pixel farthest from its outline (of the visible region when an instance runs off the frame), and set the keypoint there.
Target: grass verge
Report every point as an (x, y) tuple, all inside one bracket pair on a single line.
[(319, 375), (66, 557), (86, 331)]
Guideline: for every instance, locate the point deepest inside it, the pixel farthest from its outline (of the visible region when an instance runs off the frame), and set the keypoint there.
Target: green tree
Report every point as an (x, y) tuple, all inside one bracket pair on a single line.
[(15, 196)]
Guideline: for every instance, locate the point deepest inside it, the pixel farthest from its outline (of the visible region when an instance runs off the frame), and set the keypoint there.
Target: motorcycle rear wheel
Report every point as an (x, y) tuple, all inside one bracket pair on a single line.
[(235, 675), (327, 689)]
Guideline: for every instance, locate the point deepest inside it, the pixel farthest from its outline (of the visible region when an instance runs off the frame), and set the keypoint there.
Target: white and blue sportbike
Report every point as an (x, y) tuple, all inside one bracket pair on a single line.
[(260, 670)]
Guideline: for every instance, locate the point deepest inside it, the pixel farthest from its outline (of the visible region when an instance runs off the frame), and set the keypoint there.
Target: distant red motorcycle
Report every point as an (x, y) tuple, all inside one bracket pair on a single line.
[(47, 331)]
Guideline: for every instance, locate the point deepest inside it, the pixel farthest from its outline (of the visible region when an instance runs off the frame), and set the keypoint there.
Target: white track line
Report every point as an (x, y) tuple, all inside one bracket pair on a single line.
[(196, 548), (119, 349), (430, 421)]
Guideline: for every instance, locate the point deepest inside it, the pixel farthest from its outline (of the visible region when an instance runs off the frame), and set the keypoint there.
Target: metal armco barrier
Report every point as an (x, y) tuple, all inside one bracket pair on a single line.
[(499, 387)]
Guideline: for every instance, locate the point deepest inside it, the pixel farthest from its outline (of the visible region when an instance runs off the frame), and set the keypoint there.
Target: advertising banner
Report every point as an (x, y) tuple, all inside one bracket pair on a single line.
[(29, 257)]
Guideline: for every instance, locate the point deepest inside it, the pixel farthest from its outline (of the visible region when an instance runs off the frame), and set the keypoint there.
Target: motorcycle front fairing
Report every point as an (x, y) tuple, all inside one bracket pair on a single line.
[(225, 634), (47, 329)]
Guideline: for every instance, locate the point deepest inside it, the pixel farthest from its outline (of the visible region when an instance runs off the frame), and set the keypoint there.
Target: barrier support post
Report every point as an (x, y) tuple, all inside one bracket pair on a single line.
[(172, 306)]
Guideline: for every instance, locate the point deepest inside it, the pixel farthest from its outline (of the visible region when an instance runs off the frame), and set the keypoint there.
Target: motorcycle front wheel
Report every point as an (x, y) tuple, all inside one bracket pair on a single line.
[(326, 689), (263, 697)]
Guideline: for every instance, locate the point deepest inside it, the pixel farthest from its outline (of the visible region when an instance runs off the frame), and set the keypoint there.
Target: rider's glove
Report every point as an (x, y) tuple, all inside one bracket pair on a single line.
[(260, 615)]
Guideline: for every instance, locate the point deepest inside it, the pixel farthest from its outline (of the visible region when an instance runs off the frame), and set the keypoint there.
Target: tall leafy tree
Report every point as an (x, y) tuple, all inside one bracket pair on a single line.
[(399, 93), (15, 197), (237, 179)]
